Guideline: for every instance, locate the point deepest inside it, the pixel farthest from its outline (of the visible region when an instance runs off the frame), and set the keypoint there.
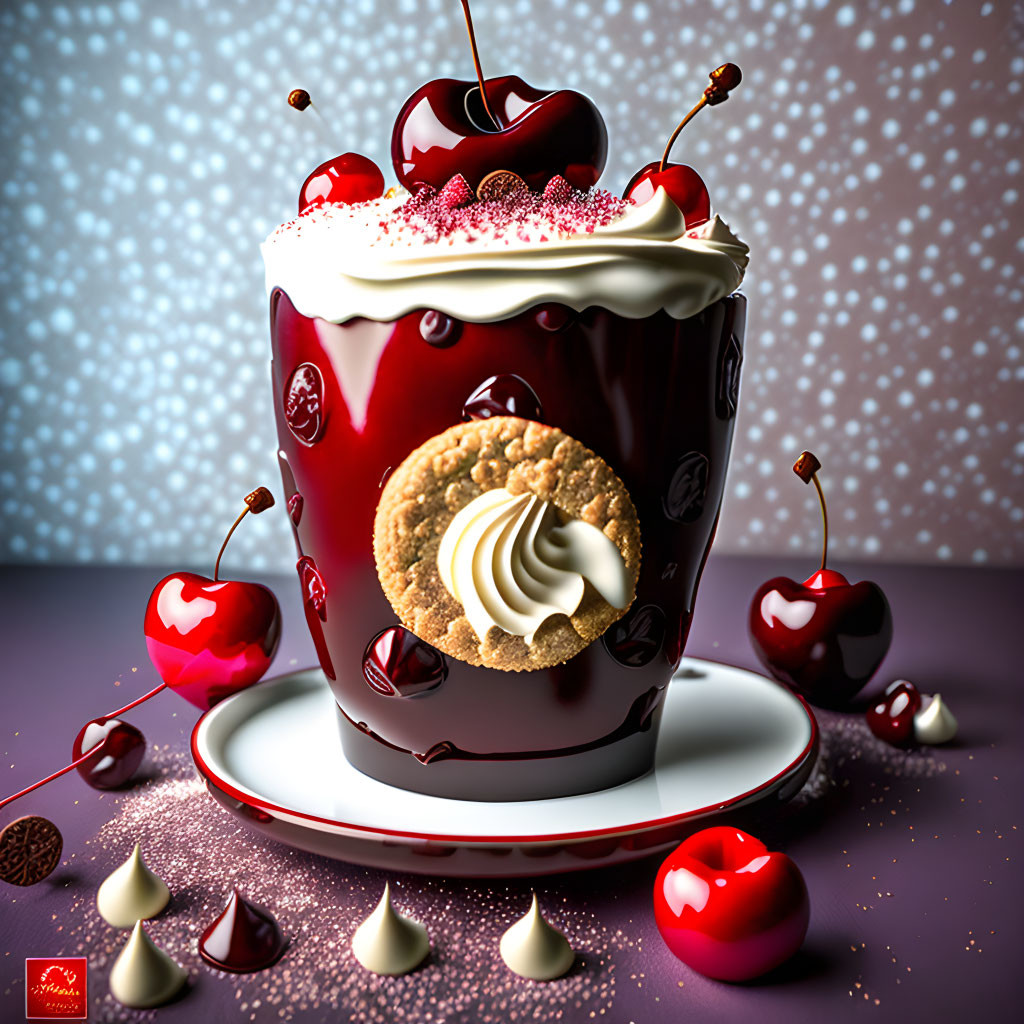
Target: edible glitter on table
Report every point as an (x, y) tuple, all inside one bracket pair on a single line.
[(202, 853)]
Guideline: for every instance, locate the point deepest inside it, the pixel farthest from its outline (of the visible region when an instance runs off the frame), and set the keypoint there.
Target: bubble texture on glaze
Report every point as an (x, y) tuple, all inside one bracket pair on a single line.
[(871, 159)]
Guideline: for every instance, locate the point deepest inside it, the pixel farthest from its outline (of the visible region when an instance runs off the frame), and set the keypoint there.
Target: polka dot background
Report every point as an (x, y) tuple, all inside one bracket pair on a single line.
[(871, 159)]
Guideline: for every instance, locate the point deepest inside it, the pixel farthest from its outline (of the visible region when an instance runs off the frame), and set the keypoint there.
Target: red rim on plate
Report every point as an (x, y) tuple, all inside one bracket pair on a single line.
[(259, 805)]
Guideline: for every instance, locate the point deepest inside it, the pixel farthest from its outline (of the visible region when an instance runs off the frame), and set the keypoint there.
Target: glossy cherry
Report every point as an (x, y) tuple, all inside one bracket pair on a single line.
[(505, 394), (397, 663), (729, 908), (824, 637), (892, 718), (450, 127), (684, 185), (119, 749), (349, 178), (244, 938), (210, 638)]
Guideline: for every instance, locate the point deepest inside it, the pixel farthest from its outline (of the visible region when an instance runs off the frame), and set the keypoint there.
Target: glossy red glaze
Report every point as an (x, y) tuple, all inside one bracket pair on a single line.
[(210, 639), (349, 178), (643, 394), (443, 130), (684, 186), (243, 939), (729, 908), (825, 638), (892, 718), (123, 748), (503, 395), (397, 663)]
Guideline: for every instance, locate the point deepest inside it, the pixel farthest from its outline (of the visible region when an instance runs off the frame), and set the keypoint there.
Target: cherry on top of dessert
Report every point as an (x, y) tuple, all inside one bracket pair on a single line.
[(683, 184), (349, 178), (450, 127)]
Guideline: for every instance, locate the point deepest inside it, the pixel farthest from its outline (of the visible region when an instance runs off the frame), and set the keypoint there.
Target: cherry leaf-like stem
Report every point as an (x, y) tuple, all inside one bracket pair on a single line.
[(806, 467), (234, 525), (679, 127), (476, 64)]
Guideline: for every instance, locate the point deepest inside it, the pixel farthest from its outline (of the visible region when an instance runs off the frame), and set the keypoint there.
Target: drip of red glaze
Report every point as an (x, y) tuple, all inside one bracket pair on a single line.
[(506, 394), (397, 663), (243, 939)]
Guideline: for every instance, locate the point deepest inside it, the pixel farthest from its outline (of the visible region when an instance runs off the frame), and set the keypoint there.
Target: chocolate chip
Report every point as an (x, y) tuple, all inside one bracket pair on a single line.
[(299, 99), (29, 850)]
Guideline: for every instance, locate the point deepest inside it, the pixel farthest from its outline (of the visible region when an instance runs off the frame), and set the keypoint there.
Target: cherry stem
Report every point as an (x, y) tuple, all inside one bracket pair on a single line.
[(675, 135), (824, 519), (91, 752), (476, 64), (234, 525)]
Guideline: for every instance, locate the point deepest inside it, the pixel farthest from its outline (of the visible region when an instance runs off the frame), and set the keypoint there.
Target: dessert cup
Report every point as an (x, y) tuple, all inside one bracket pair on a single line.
[(654, 396)]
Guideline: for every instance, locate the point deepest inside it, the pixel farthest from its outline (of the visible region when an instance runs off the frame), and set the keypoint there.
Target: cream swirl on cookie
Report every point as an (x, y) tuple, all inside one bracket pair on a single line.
[(375, 260), (510, 564)]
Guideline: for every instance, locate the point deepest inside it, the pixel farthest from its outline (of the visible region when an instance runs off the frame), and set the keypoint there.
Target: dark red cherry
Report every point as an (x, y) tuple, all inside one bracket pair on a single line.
[(892, 718), (503, 395), (684, 186), (397, 663), (295, 504), (304, 403), (119, 757), (444, 130), (349, 178), (439, 329)]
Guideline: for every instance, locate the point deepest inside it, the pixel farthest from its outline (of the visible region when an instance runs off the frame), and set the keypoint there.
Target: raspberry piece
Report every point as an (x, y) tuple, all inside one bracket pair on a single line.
[(456, 193), (557, 190)]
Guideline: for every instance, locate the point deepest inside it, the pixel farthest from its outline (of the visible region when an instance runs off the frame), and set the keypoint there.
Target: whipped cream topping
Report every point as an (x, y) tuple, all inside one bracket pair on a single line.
[(143, 975), (532, 948), (934, 722), (372, 260), (510, 564), (388, 943), (132, 892)]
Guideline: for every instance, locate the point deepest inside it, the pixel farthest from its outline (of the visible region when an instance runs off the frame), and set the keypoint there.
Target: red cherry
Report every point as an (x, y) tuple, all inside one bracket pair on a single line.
[(117, 760), (892, 718), (349, 178), (684, 186), (507, 394), (443, 130), (824, 637), (729, 908), (397, 663), (211, 638)]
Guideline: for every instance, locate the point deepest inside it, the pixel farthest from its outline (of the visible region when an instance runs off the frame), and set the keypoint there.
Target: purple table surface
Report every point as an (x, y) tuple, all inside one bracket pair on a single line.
[(911, 858)]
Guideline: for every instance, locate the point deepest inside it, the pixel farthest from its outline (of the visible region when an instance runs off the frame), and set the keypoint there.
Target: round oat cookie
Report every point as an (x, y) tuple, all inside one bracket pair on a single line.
[(541, 487)]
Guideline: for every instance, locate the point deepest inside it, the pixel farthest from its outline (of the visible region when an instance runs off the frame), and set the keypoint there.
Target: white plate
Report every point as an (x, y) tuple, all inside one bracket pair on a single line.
[(272, 756)]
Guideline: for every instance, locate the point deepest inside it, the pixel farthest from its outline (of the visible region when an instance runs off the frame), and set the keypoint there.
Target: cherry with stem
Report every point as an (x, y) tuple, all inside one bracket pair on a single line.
[(255, 502), (683, 184)]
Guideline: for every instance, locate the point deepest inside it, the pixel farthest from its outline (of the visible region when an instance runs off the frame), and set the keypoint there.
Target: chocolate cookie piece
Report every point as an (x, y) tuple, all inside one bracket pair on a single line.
[(30, 849), (541, 487)]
